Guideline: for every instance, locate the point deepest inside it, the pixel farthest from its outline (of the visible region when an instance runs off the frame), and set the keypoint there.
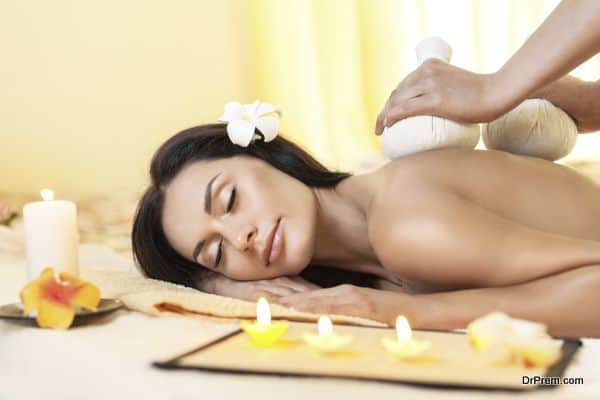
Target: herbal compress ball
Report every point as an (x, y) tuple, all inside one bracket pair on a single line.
[(425, 132), (534, 128), (416, 134)]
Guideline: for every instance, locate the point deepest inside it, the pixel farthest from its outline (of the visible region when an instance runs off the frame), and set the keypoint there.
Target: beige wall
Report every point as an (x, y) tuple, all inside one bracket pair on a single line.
[(89, 89)]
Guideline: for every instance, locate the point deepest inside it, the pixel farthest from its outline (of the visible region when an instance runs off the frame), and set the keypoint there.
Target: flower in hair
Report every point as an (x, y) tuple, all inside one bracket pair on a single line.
[(247, 122)]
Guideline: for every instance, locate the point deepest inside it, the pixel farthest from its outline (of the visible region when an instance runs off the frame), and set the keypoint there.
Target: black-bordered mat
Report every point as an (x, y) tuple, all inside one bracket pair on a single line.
[(450, 361)]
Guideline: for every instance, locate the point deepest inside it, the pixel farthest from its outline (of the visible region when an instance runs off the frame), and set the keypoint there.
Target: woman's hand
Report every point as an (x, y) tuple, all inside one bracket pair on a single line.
[(352, 300), (271, 289), (441, 89)]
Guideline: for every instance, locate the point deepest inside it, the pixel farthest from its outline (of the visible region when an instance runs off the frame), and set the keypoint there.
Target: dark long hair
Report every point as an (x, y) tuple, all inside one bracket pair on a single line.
[(151, 249)]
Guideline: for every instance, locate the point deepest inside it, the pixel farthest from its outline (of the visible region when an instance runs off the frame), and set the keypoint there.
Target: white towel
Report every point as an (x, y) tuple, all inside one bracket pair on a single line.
[(116, 277)]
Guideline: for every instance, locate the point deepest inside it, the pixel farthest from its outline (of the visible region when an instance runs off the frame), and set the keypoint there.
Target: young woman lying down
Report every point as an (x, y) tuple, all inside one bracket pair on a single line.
[(442, 237)]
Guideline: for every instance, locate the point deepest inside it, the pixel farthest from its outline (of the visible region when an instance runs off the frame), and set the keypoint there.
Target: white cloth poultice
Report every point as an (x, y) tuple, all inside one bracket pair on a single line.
[(534, 128), (422, 133)]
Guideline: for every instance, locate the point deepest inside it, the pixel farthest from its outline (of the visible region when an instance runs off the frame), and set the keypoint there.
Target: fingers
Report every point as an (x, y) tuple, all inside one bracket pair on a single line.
[(379, 121), (255, 296), (401, 99), (414, 85), (271, 289), (307, 304), (290, 284), (318, 305), (271, 294), (304, 284), (296, 283), (343, 299), (277, 290), (423, 105), (295, 300), (307, 299), (292, 300)]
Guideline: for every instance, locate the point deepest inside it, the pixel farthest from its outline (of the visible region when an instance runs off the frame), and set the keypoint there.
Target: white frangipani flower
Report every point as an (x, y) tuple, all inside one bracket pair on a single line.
[(243, 119)]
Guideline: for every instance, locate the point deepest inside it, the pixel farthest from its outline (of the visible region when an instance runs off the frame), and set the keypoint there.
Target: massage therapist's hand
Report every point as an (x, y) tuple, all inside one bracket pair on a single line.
[(441, 89), (271, 289), (379, 305), (569, 36)]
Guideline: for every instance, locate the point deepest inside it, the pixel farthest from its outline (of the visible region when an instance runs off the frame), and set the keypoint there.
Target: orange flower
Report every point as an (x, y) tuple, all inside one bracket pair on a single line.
[(55, 299)]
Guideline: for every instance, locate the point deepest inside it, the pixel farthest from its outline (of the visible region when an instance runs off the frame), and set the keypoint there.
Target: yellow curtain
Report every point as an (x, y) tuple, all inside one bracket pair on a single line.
[(331, 64)]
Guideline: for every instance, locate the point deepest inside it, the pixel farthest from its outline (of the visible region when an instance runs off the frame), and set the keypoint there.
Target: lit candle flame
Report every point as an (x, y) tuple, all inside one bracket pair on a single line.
[(263, 312), (47, 194), (403, 331), (324, 326)]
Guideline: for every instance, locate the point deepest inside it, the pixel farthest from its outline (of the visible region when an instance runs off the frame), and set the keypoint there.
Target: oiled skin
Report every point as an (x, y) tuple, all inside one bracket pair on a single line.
[(463, 218)]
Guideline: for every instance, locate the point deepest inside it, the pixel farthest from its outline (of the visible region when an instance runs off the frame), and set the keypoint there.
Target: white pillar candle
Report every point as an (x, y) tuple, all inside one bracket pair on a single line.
[(51, 235)]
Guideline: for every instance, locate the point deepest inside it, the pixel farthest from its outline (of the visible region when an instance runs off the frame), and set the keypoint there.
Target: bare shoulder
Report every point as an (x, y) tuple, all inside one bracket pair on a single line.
[(401, 212), (405, 182), (410, 218)]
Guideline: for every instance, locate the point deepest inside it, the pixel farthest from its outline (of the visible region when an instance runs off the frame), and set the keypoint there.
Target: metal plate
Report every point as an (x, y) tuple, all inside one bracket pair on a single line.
[(15, 310)]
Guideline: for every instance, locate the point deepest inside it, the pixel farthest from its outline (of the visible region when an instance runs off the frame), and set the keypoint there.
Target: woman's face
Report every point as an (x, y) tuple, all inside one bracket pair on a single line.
[(240, 217)]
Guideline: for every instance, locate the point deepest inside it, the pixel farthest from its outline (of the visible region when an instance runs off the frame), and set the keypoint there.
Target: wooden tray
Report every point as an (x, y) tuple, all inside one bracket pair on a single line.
[(450, 361)]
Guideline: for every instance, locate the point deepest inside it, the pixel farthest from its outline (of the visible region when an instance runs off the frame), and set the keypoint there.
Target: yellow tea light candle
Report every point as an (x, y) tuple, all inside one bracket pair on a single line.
[(326, 340), (51, 235), (404, 346), (263, 332)]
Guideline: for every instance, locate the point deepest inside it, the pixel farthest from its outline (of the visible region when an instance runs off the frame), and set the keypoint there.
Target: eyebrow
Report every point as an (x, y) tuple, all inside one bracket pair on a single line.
[(208, 194), (207, 209)]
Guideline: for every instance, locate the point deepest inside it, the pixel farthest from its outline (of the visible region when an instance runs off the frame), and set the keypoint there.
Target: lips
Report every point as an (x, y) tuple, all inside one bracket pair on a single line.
[(273, 244)]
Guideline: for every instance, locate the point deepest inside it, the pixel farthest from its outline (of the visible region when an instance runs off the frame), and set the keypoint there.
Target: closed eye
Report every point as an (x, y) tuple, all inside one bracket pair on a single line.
[(219, 254), (220, 248), (231, 200)]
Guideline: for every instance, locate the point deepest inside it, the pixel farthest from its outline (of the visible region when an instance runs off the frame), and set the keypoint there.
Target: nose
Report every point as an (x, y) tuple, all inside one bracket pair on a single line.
[(242, 238)]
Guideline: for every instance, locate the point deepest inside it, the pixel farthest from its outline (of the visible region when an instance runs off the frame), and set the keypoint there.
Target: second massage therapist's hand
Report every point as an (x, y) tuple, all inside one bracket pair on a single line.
[(441, 89), (378, 305)]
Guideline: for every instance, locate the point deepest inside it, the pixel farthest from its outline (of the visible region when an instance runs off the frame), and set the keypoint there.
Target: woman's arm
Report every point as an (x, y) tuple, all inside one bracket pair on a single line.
[(253, 290), (566, 302), (580, 99), (447, 240)]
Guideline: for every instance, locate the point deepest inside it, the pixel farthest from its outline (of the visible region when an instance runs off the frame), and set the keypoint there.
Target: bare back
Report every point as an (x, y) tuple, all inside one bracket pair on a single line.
[(468, 218), (534, 192)]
